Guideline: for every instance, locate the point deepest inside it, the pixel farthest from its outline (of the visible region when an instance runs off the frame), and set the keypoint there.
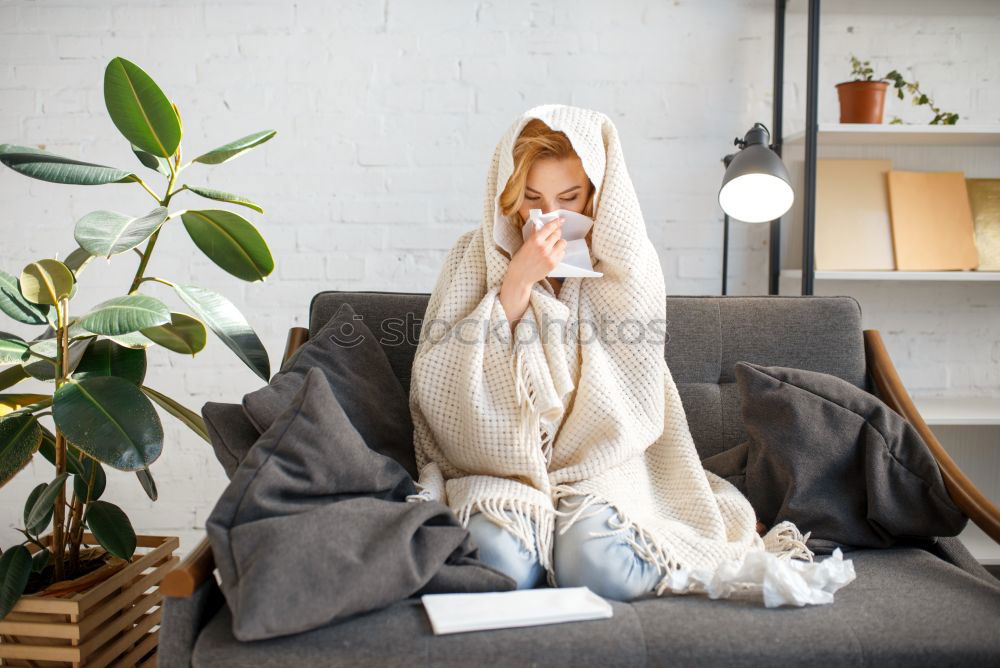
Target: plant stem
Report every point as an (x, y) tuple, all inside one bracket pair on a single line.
[(34, 408), (33, 540), (76, 519), (157, 280), (59, 513), (167, 200), (137, 279), (144, 261), (148, 189), (74, 528)]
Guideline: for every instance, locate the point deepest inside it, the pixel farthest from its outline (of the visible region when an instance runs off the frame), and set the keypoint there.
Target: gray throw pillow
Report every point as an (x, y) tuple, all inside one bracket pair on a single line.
[(314, 527), (730, 464), (836, 461), (354, 363), (231, 433)]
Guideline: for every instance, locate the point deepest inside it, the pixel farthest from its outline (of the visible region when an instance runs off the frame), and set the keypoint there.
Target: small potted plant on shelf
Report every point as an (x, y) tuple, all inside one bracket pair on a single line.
[(81, 586), (862, 100)]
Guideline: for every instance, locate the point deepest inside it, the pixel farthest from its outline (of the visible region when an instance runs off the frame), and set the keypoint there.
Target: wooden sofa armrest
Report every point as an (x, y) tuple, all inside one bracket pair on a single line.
[(199, 564), (296, 337), (194, 569), (890, 388)]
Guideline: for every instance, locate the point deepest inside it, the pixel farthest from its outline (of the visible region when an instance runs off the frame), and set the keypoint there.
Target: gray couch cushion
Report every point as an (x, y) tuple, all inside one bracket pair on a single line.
[(182, 621), (837, 461), (230, 431), (731, 464), (393, 317), (906, 607), (953, 550), (314, 527), (355, 365), (400, 636)]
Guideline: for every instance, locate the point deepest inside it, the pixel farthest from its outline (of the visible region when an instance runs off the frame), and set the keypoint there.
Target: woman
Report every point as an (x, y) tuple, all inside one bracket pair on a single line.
[(520, 429), (548, 175)]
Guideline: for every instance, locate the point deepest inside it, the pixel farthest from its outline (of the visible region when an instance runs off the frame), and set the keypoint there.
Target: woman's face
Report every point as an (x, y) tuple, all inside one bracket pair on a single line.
[(556, 184)]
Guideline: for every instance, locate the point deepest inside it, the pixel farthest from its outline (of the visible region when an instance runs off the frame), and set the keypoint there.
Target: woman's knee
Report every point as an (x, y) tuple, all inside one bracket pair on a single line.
[(500, 549), (607, 565)]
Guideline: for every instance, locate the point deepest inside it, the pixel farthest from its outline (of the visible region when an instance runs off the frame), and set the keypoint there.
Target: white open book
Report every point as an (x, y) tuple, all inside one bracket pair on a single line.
[(455, 613)]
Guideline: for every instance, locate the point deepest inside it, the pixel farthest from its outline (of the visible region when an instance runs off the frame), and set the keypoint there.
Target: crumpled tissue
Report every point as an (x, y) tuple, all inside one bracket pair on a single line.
[(576, 261), (781, 581)]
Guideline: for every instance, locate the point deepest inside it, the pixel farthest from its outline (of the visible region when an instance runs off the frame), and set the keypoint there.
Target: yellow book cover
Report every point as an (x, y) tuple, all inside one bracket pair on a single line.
[(931, 221), (852, 216)]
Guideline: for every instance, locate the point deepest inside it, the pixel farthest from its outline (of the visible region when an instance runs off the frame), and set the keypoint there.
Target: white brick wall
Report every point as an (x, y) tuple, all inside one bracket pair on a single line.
[(387, 114)]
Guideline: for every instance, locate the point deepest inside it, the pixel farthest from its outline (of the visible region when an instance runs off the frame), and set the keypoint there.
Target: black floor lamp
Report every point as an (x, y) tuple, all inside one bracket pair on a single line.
[(755, 188)]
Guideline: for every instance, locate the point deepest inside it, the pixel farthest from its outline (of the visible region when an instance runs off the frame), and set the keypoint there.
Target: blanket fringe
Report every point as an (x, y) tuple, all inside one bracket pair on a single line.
[(419, 496), (529, 415), (430, 486), (783, 540), (574, 510), (516, 516)]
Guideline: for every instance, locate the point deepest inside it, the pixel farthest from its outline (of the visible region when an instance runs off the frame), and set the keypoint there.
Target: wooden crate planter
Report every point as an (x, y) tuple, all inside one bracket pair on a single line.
[(115, 622)]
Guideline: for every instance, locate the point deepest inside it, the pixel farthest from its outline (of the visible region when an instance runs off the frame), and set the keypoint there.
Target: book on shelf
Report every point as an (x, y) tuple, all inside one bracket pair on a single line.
[(853, 232), (984, 198), (931, 221)]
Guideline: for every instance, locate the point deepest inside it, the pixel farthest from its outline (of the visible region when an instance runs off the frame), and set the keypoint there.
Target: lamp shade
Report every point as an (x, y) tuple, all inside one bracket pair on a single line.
[(756, 187)]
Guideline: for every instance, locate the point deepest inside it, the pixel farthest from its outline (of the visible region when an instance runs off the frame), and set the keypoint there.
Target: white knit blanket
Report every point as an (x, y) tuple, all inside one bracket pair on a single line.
[(587, 406)]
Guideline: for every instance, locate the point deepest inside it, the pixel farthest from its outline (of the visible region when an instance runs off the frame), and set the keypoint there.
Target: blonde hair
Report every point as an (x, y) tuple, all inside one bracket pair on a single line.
[(536, 141)]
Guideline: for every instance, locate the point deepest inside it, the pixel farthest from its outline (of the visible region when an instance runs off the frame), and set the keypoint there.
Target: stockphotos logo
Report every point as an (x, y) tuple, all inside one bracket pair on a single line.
[(406, 330)]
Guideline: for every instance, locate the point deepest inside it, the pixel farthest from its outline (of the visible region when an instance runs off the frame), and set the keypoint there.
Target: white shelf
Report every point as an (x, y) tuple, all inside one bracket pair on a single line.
[(905, 134), (896, 275), (985, 550), (970, 410)]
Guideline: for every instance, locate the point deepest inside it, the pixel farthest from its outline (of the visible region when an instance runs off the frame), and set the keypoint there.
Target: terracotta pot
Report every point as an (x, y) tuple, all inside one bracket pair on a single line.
[(93, 621), (861, 101)]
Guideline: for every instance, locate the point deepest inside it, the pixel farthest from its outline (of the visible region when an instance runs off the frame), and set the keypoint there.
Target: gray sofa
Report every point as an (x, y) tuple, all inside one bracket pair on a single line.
[(908, 606)]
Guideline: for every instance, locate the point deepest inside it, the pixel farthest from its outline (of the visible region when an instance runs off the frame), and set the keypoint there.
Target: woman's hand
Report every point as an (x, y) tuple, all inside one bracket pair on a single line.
[(537, 256), (761, 529)]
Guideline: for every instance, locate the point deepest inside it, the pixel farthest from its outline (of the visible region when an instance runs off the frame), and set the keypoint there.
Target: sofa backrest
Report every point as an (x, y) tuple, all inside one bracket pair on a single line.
[(706, 336)]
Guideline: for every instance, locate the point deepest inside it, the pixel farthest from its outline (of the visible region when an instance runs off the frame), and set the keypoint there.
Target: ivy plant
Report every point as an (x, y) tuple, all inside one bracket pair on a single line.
[(862, 71)]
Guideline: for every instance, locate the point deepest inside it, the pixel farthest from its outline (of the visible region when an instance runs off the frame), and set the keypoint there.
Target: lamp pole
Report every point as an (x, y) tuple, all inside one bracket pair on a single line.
[(809, 202), (777, 106), (725, 231)]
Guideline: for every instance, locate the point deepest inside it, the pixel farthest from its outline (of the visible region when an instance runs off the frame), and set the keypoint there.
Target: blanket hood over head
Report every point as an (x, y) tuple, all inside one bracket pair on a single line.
[(619, 234), (579, 401)]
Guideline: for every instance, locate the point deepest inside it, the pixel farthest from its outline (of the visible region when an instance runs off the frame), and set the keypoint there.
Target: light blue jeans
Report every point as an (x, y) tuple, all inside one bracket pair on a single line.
[(607, 565)]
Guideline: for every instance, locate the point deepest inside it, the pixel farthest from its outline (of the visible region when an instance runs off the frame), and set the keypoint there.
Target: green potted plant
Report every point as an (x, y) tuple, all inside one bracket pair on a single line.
[(862, 99), (78, 544)]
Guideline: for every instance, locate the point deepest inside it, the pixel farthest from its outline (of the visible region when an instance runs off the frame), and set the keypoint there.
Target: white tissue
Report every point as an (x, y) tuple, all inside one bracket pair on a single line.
[(576, 261), (782, 581)]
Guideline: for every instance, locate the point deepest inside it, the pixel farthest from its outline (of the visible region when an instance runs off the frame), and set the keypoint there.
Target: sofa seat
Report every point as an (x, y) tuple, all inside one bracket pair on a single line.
[(907, 607)]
